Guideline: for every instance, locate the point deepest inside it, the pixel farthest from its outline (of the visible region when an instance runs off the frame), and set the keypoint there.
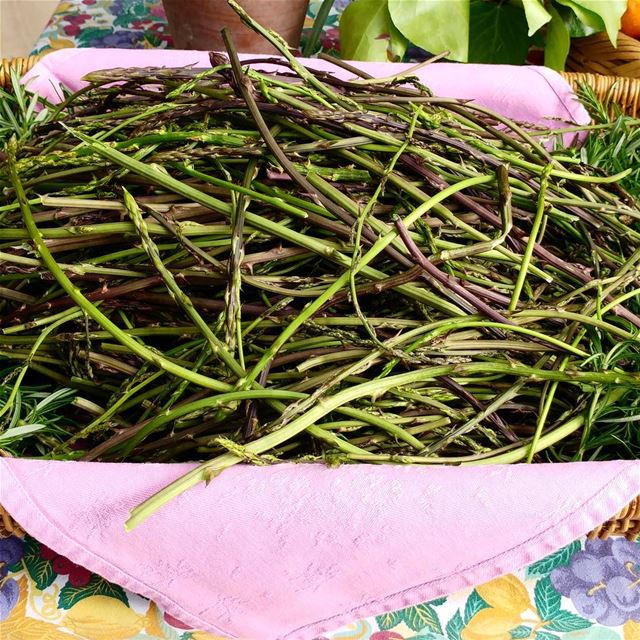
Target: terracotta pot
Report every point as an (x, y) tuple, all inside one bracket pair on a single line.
[(196, 24)]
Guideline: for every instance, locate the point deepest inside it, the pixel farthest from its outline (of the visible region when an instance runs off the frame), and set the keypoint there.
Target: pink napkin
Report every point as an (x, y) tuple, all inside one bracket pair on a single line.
[(530, 94), (292, 551)]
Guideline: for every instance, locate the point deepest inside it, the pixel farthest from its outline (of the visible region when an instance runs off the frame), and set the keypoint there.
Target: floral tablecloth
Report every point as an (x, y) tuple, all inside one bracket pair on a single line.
[(138, 24), (588, 590), (142, 24)]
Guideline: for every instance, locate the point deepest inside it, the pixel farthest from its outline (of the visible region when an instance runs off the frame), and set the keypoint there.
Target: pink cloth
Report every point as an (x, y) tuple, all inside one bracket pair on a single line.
[(291, 551), (530, 94)]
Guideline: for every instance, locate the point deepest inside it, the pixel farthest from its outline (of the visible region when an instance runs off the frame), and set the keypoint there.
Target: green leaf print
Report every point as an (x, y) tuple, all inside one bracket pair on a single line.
[(97, 586), (565, 621), (521, 632), (547, 599), (88, 35), (421, 617), (133, 10), (474, 604), (14, 568), (560, 558), (454, 627), (40, 570), (389, 620)]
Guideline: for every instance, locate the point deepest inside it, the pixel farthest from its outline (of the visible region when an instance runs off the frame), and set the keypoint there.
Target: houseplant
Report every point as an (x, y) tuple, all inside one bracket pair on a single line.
[(196, 24), (490, 31)]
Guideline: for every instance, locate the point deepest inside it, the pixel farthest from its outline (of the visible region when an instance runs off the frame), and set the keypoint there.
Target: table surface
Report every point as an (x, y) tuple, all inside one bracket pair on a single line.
[(142, 24), (137, 24)]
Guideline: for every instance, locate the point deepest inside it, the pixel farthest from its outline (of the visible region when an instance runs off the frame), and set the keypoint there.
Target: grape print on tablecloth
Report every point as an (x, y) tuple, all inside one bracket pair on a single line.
[(11, 551), (603, 581)]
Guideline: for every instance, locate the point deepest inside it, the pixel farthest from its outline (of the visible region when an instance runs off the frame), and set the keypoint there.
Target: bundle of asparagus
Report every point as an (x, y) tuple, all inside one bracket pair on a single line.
[(235, 265)]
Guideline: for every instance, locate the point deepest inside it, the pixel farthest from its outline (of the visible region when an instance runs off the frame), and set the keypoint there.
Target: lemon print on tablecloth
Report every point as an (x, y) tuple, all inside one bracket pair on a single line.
[(106, 618)]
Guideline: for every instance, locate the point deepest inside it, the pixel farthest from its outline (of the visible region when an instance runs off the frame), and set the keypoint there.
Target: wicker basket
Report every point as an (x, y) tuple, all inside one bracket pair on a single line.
[(21, 65), (596, 54), (625, 92)]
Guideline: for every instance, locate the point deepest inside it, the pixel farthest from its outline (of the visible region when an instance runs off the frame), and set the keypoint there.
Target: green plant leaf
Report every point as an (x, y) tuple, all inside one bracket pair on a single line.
[(97, 586), (454, 627), (543, 635), (584, 22), (498, 33), (547, 599), (537, 16), (365, 29), (397, 43), (20, 432), (421, 617), (560, 558), (474, 604), (610, 11), (565, 621), (40, 570), (434, 25), (558, 42)]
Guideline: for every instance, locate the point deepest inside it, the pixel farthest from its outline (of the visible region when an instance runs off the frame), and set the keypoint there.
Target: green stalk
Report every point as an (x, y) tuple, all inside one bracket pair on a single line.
[(389, 427), (283, 48), (91, 310), (547, 402), (531, 243), (68, 316), (558, 434), (218, 348), (207, 470), (343, 280), (233, 315), (269, 227)]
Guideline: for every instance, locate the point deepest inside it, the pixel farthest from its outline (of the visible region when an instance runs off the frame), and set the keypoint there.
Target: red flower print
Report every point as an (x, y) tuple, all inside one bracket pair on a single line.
[(79, 576), (331, 39), (72, 29), (47, 554), (77, 19), (139, 24), (157, 11), (174, 622), (62, 566)]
